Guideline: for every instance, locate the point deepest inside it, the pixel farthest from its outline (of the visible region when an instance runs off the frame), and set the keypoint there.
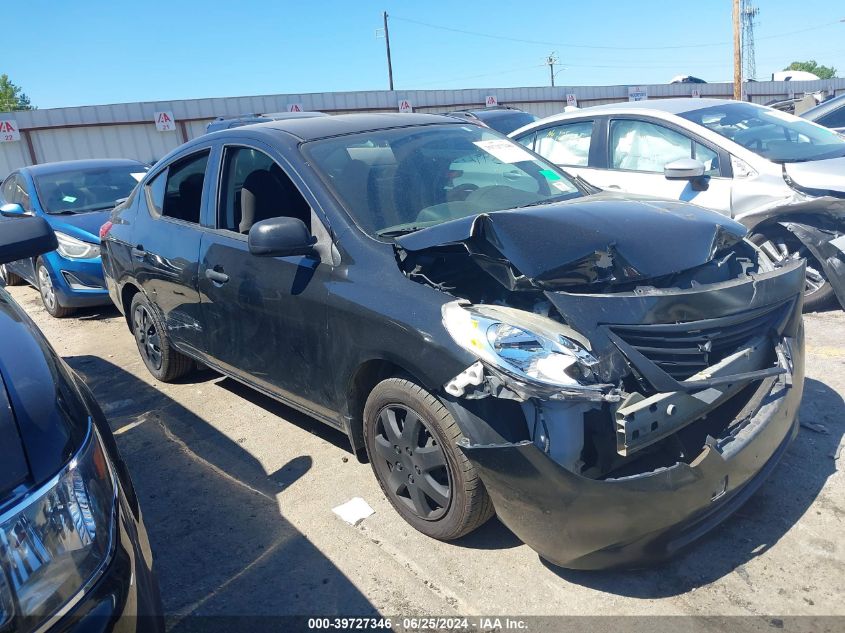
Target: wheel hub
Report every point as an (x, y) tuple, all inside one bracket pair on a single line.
[(411, 463)]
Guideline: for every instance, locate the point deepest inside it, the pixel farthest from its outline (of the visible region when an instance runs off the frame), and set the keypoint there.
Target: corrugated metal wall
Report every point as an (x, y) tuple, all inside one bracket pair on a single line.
[(127, 129)]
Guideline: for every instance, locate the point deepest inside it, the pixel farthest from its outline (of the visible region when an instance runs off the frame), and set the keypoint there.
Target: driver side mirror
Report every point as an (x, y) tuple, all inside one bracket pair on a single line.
[(280, 237), (687, 169), (14, 210)]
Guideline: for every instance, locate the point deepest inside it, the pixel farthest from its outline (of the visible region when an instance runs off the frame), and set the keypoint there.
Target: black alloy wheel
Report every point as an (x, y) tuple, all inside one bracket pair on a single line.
[(411, 440), (411, 462)]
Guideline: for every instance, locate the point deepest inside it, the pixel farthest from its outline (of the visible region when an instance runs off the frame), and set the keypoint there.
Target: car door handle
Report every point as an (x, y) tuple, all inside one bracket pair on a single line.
[(138, 251), (216, 276)]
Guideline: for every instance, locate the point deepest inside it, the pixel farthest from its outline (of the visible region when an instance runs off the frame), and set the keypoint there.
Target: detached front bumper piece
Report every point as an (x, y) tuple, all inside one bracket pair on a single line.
[(583, 523)]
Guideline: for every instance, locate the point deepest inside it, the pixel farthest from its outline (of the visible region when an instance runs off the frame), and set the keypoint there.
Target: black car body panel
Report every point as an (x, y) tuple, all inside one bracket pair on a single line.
[(677, 308), (46, 414)]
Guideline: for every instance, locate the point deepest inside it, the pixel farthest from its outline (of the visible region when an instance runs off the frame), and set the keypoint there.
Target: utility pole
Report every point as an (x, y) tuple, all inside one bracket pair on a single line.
[(387, 43), (551, 60), (737, 53)]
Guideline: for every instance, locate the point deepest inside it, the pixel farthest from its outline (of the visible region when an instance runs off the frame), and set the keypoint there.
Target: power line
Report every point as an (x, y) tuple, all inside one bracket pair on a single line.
[(593, 47)]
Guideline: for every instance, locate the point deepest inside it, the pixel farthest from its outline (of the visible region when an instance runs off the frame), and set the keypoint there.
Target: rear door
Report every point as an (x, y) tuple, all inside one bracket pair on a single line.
[(265, 317), (637, 150), (167, 243)]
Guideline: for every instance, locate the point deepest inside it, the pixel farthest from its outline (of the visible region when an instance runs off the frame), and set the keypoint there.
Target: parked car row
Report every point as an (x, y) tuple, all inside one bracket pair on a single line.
[(782, 177), (612, 371)]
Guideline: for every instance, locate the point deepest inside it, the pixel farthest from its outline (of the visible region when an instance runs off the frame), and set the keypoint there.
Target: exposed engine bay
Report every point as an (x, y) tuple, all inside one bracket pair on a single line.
[(616, 355)]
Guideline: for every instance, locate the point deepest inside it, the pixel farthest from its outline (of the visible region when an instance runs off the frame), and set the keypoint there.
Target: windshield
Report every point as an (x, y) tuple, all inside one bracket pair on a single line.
[(775, 135), (87, 188), (400, 180)]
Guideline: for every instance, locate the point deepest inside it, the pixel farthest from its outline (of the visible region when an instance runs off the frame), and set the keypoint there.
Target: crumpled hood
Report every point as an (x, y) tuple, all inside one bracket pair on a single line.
[(818, 177), (605, 238)]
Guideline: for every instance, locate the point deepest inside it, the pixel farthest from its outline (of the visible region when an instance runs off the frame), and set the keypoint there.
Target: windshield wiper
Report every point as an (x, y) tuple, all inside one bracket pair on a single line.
[(398, 232)]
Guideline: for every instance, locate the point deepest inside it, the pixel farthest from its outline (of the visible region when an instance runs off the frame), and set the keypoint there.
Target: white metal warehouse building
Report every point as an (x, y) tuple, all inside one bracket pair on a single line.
[(128, 130)]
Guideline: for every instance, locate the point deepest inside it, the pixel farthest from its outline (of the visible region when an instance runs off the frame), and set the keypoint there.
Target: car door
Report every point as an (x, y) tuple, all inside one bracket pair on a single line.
[(16, 191), (167, 243), (265, 317), (637, 151)]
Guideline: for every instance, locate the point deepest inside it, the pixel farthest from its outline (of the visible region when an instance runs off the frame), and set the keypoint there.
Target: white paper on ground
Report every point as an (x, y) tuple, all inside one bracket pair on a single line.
[(354, 511)]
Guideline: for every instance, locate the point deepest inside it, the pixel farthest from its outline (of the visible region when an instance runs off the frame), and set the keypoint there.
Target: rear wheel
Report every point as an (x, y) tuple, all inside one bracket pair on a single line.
[(411, 443), (9, 278), (780, 245), (48, 292), (161, 359)]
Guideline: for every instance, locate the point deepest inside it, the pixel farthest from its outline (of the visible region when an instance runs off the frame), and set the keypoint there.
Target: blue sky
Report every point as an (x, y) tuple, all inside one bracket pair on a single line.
[(89, 52)]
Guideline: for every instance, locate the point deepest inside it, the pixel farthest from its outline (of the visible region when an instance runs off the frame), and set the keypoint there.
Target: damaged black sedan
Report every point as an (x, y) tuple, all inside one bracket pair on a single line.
[(611, 376)]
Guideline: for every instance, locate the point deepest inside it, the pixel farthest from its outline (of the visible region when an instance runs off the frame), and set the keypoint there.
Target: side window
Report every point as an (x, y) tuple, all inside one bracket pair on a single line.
[(527, 140), (19, 193), (182, 185), (566, 144), (255, 188), (643, 146), (708, 157), (833, 119), (155, 192), (8, 190)]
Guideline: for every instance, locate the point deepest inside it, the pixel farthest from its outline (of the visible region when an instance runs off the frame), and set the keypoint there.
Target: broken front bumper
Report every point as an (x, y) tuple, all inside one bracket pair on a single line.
[(584, 523)]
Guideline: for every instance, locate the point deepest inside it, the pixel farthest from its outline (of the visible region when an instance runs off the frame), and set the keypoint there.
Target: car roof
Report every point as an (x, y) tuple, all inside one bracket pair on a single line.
[(309, 129), (93, 163), (653, 106), (824, 108)]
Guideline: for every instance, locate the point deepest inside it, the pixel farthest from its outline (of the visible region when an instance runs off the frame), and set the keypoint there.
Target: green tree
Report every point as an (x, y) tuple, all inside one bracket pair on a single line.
[(822, 72), (12, 97)]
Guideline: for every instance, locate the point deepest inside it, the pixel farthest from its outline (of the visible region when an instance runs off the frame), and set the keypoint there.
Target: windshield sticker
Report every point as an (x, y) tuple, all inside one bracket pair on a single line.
[(549, 174), (504, 151), (560, 185), (69, 199), (137, 175)]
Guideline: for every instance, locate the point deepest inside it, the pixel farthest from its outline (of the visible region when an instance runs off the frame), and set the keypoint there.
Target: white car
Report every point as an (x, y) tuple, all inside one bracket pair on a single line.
[(781, 176)]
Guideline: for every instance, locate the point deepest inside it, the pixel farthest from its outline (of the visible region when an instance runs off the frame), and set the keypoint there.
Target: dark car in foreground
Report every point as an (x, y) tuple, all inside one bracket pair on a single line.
[(74, 554), (504, 119), (75, 198), (612, 376), (830, 113)]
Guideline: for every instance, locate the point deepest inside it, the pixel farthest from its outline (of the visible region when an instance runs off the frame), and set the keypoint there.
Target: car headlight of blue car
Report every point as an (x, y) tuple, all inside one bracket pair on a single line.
[(74, 248)]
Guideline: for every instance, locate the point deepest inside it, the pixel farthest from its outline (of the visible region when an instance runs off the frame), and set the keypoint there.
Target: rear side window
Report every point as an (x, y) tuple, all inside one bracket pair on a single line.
[(644, 146), (566, 144), (833, 119), (177, 191)]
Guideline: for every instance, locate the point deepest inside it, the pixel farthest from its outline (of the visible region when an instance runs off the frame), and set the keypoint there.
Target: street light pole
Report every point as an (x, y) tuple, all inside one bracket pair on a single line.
[(387, 43), (551, 60)]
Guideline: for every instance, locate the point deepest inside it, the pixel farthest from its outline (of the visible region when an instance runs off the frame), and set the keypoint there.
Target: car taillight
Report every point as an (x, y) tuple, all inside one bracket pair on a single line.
[(104, 230)]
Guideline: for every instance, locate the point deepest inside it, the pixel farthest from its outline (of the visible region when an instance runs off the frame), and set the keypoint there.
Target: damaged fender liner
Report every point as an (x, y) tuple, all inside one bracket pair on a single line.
[(583, 523)]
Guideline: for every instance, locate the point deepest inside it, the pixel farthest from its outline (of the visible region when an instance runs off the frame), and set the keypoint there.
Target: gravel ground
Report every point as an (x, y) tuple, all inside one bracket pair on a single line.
[(238, 492)]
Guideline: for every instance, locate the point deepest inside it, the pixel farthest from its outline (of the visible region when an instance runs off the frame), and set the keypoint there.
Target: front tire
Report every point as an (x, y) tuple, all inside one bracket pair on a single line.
[(411, 443), (48, 292), (162, 360), (9, 278), (779, 245)]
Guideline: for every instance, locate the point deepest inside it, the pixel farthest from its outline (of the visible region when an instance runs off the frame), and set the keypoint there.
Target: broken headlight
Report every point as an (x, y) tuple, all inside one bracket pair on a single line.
[(522, 344)]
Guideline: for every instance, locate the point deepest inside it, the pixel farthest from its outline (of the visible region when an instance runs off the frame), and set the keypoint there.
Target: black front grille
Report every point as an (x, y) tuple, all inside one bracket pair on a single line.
[(683, 349)]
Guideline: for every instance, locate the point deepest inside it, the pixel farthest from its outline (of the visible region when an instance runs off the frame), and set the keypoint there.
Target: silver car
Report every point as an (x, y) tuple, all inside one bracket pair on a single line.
[(781, 176)]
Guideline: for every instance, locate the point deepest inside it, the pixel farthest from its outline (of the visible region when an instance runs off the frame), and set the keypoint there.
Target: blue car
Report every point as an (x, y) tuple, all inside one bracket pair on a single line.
[(75, 198)]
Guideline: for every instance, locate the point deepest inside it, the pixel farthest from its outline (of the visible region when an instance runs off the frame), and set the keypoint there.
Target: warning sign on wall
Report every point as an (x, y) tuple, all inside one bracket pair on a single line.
[(9, 131), (490, 101), (295, 107), (165, 121), (405, 106), (637, 93), (571, 100)]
